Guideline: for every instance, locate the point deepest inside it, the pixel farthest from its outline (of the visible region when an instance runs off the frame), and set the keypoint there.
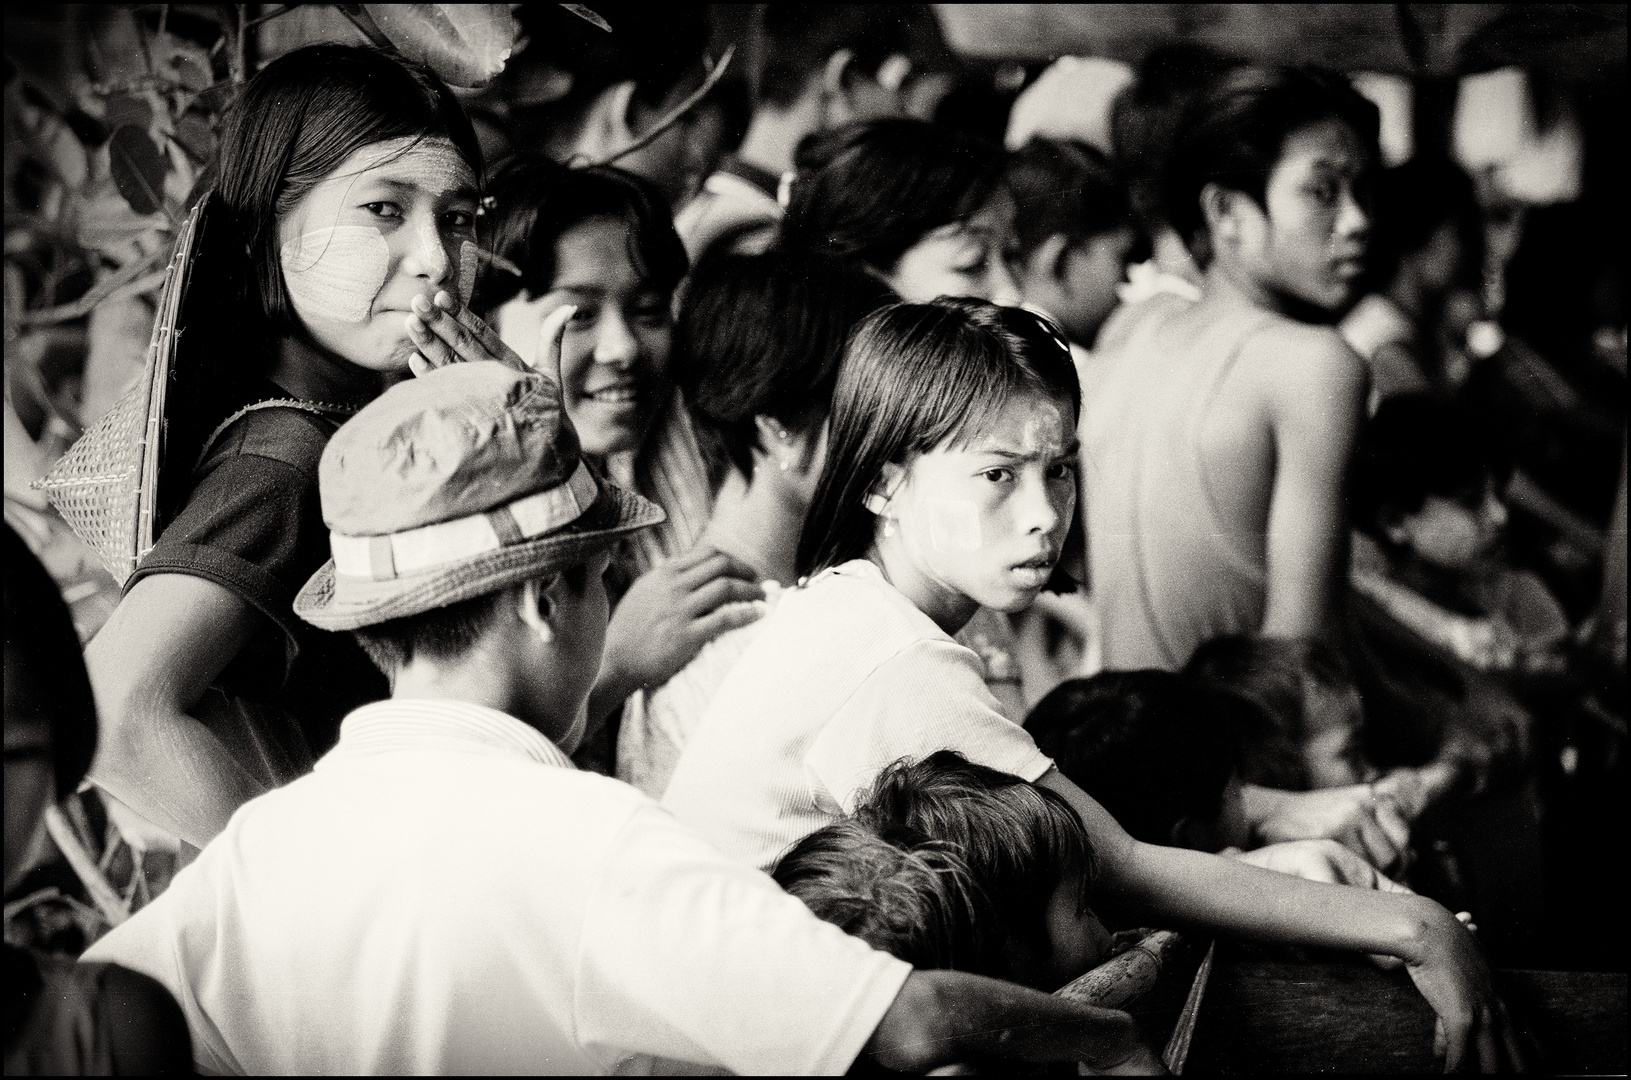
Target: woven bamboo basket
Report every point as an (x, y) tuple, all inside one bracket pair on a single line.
[(106, 485)]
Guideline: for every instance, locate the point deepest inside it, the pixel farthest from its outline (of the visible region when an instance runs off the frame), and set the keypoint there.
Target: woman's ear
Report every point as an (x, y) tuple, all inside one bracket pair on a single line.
[(776, 441), (884, 488)]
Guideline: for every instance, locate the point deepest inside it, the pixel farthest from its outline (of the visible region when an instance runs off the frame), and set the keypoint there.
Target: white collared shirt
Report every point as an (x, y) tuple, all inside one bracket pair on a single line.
[(444, 893)]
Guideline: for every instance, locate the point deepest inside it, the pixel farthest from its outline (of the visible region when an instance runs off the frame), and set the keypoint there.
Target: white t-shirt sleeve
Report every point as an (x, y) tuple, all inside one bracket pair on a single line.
[(691, 956), (930, 696)]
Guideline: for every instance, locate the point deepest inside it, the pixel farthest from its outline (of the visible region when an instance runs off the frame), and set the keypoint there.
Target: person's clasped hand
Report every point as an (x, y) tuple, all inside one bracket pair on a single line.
[(445, 331), (673, 610), (1356, 816)]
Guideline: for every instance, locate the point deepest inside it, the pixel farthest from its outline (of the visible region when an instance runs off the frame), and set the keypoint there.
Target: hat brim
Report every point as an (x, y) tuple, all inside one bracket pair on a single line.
[(332, 603)]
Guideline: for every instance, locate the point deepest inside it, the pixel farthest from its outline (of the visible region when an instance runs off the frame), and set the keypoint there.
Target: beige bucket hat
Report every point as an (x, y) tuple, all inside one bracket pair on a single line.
[(458, 483)]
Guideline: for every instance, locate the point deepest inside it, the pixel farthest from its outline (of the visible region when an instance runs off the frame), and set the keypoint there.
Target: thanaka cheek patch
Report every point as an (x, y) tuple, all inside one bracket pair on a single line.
[(467, 271), (336, 272), (954, 525)]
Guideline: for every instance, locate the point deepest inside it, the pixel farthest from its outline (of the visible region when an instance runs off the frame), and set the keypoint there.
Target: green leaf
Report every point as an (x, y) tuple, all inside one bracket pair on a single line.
[(138, 169)]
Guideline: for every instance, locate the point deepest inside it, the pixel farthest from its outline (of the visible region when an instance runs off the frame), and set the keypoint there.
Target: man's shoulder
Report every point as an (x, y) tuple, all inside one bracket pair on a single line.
[(1288, 361), (1282, 340)]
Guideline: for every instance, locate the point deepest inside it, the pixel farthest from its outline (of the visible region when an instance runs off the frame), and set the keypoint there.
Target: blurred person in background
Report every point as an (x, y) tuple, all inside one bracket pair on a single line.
[(1074, 232), (922, 207), (1221, 430), (582, 95), (1428, 485), (1427, 241), (63, 1018), (824, 65)]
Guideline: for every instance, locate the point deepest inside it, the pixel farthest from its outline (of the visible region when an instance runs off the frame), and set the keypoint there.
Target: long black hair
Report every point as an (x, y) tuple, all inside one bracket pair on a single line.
[(916, 377), (870, 190)]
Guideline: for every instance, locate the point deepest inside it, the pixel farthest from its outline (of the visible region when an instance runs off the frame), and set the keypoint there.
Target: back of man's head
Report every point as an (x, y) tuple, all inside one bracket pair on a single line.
[(1064, 188), (1149, 745), (800, 39), (915, 901), (1020, 841), (441, 634), (1144, 119)]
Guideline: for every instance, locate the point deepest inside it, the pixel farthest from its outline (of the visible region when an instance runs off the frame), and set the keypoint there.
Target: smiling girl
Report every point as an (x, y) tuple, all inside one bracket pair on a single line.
[(948, 485), (601, 242), (1216, 443), (347, 192)]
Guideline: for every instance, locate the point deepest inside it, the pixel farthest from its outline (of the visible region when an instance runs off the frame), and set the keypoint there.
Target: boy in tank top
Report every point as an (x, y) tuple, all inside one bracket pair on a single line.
[(1216, 443)]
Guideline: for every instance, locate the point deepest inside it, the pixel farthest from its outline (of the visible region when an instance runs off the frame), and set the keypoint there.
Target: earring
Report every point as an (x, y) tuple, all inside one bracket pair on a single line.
[(785, 464), (889, 526)]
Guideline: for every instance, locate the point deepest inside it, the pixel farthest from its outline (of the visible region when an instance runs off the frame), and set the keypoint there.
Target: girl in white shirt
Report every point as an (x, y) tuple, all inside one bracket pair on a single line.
[(949, 484)]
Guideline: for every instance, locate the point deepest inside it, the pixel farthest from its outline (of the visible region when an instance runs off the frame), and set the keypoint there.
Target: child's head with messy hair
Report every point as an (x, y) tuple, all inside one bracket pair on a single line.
[(917, 902), (1025, 847)]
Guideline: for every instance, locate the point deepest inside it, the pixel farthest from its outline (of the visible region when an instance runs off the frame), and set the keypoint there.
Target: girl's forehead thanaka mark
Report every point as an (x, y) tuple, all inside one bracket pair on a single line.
[(432, 165), (1041, 429)]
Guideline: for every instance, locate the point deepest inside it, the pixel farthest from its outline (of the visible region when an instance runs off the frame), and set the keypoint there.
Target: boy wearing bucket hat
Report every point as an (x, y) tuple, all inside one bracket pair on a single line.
[(445, 893)]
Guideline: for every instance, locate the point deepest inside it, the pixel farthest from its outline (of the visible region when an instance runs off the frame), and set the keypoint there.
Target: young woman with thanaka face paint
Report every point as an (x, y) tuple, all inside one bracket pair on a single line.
[(948, 485), (345, 209)]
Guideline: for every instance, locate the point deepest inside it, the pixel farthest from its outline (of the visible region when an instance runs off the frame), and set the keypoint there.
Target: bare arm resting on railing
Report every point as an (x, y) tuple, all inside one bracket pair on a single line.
[(1172, 886)]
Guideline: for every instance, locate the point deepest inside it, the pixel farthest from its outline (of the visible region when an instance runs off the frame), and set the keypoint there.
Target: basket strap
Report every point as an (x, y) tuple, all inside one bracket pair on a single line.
[(317, 408)]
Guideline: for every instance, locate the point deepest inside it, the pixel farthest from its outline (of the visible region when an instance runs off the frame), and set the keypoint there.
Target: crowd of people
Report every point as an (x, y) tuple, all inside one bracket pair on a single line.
[(785, 619)]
